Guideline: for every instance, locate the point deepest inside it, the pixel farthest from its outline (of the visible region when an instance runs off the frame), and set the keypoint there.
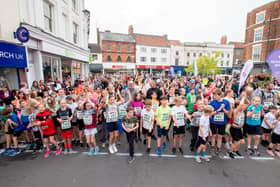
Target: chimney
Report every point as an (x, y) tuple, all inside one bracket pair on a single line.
[(224, 40), (130, 29), (165, 36), (107, 31)]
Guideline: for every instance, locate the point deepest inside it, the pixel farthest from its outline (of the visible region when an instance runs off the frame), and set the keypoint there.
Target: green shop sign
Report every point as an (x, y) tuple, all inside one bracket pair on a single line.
[(69, 53)]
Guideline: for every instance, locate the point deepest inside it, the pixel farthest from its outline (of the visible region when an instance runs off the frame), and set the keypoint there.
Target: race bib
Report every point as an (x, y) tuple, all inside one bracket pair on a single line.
[(122, 112), (129, 125), (154, 106), (88, 120), (65, 125), (79, 114), (193, 99), (219, 117), (146, 118), (179, 116), (165, 117), (137, 110), (267, 103), (256, 116), (112, 116)]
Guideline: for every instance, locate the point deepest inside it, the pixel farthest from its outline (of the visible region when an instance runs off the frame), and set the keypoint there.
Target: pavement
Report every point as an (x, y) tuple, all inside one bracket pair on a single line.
[(105, 170)]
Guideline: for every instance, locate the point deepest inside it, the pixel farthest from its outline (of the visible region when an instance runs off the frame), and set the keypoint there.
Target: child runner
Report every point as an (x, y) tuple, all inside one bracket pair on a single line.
[(25, 122), (179, 114), (80, 121), (73, 105), (275, 137), (267, 124), (254, 113), (130, 124), (89, 119), (147, 123), (137, 105), (163, 118), (204, 132), (155, 105), (64, 117)]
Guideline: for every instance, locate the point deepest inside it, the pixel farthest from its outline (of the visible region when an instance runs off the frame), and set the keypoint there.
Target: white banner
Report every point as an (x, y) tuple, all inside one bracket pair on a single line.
[(245, 72)]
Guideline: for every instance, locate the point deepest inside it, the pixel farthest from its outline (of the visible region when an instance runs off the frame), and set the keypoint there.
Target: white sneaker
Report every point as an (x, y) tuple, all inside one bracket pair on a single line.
[(197, 159), (227, 146), (111, 151), (115, 148), (205, 158)]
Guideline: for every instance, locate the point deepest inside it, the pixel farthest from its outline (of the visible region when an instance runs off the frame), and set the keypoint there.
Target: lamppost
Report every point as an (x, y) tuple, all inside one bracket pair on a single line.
[(267, 43)]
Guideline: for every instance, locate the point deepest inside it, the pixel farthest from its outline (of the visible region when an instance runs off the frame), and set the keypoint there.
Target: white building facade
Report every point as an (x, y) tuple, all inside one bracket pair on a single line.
[(58, 44), (177, 55), (193, 50)]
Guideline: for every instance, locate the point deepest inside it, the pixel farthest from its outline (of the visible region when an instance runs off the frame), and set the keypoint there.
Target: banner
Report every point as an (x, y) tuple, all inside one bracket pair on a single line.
[(195, 68), (244, 73), (273, 60)]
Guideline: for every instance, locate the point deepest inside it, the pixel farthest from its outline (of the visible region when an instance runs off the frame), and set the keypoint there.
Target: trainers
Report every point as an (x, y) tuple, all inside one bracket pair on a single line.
[(148, 150), (131, 160), (270, 152), (7, 151), (191, 149), (227, 146), (28, 146), (256, 152), (277, 153), (231, 155), (81, 144), (164, 146), (197, 159), (58, 151), (14, 152), (115, 148), (181, 150), (47, 153), (65, 151), (103, 145), (159, 153), (111, 151), (96, 150), (90, 153), (250, 151), (205, 158), (217, 151), (237, 153), (174, 150), (145, 142), (71, 151)]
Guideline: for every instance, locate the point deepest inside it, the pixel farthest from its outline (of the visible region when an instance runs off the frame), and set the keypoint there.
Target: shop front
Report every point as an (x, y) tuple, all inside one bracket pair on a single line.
[(13, 62), (155, 70), (113, 68)]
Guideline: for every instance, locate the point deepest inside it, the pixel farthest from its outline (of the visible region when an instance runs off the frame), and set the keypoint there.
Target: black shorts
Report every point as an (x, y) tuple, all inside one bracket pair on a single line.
[(49, 135), (56, 123), (80, 124), (10, 130), (201, 141), (218, 129), (146, 131), (74, 123), (236, 133), (17, 133), (275, 138), (37, 134), (266, 131), (179, 130), (161, 132), (113, 126), (254, 130)]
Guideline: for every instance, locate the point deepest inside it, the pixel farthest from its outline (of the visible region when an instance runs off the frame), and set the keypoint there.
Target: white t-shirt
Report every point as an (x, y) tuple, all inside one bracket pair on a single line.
[(270, 118), (148, 118), (179, 114), (72, 106), (204, 122), (112, 113), (277, 128)]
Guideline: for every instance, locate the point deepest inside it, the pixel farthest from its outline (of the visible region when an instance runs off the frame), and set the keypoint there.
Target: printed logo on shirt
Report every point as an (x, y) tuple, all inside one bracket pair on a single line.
[(219, 117)]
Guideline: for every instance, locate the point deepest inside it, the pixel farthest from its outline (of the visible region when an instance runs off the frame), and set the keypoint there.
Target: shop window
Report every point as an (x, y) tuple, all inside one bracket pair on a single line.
[(128, 59), (48, 17), (176, 62), (76, 69), (109, 59), (52, 67), (119, 59)]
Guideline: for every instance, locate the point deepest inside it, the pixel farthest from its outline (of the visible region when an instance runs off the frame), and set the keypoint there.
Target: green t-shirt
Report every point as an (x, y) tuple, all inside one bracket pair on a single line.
[(163, 115), (130, 123), (2, 117), (191, 101)]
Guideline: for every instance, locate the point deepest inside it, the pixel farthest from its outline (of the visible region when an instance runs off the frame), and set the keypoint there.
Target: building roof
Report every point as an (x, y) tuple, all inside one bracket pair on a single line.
[(239, 45), (109, 36), (174, 42), (94, 48), (152, 40)]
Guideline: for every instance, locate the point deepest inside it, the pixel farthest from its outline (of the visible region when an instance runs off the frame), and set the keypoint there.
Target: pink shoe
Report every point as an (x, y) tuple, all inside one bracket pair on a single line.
[(277, 153), (58, 151), (47, 154), (270, 152)]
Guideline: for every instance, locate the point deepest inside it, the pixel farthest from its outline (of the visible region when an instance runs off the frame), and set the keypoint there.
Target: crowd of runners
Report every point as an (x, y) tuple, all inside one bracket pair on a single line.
[(144, 109)]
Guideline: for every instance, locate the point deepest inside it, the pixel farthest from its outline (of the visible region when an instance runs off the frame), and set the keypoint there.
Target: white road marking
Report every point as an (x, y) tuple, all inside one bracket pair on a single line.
[(193, 156), (261, 158), (164, 155), (126, 154), (228, 158)]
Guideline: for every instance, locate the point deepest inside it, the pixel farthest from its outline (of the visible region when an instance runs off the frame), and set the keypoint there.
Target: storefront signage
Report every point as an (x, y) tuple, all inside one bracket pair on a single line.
[(22, 34), (273, 61), (69, 53), (12, 55), (152, 67)]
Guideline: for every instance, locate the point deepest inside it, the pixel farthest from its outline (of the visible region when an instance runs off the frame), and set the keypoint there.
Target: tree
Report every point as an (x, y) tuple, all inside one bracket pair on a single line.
[(206, 65)]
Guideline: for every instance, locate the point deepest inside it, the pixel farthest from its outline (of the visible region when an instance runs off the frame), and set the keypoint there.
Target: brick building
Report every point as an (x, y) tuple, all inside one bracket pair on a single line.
[(118, 52), (262, 34), (238, 52)]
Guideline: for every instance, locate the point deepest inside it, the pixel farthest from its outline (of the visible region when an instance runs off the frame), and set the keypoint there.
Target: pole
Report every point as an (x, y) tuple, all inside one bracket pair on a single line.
[(267, 43)]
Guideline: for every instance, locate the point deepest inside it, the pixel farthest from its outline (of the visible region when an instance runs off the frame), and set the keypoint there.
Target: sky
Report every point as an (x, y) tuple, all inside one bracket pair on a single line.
[(184, 20)]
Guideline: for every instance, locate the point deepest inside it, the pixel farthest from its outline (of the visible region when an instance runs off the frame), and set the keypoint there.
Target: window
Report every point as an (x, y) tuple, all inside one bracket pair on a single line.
[(194, 54), (108, 47), (222, 63), (256, 52), (223, 55), (260, 17), (188, 54), (258, 34), (227, 63), (188, 62), (74, 5), (143, 49), (109, 59), (128, 59), (143, 59), (75, 33), (200, 54), (153, 50), (163, 59), (153, 59), (176, 62), (128, 49), (118, 48), (163, 50), (228, 55), (177, 52), (119, 59), (48, 16)]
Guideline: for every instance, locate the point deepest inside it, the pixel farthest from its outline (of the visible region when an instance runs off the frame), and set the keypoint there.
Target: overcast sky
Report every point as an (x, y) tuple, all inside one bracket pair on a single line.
[(185, 20)]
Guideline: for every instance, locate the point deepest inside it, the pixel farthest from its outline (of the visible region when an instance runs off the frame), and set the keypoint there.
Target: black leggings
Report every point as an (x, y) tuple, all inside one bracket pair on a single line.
[(194, 140), (130, 139)]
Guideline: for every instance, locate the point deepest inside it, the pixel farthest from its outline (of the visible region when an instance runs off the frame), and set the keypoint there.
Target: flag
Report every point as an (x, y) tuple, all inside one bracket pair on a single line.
[(244, 73), (195, 68)]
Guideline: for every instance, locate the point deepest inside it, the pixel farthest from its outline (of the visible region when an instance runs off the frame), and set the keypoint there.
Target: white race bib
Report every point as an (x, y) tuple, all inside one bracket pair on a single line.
[(65, 125), (219, 117), (87, 120)]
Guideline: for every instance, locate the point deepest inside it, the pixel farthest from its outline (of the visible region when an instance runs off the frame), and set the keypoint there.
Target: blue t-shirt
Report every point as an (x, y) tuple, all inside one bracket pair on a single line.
[(15, 119), (255, 119), (220, 118)]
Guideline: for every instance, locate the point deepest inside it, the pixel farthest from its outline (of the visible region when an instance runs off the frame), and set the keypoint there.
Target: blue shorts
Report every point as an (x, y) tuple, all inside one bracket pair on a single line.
[(161, 132), (254, 130), (24, 125), (120, 128)]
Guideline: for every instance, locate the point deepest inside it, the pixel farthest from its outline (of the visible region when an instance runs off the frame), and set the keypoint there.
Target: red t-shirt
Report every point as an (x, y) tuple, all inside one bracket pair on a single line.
[(47, 124)]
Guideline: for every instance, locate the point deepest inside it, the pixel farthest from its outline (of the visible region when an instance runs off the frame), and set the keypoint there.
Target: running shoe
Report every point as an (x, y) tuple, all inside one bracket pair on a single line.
[(164, 146), (103, 145), (81, 144), (28, 146), (7, 151), (115, 148), (159, 153), (277, 153), (237, 153), (205, 158), (227, 146), (197, 159), (145, 141), (111, 151), (96, 150), (58, 151), (131, 160), (181, 150), (231, 155), (71, 151), (256, 152), (250, 151), (270, 152), (174, 150), (90, 153), (47, 153), (65, 152), (15, 152), (148, 150)]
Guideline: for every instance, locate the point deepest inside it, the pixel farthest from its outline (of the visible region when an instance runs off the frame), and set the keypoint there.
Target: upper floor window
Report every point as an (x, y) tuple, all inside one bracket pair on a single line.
[(163, 59), (222, 63), (143, 49), (109, 59), (256, 52), (108, 47), (119, 59), (188, 54), (128, 59), (118, 48), (228, 55), (153, 50), (258, 34), (260, 17), (75, 33), (128, 49), (176, 62), (223, 55), (177, 52), (143, 59), (227, 63), (194, 54), (74, 5), (163, 50), (200, 54), (153, 59), (48, 17)]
